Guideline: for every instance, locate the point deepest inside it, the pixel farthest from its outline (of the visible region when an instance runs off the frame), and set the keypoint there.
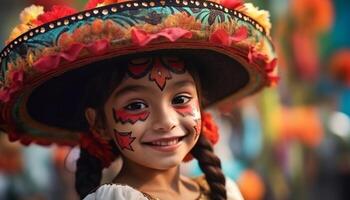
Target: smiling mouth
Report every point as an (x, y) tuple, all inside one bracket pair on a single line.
[(165, 142)]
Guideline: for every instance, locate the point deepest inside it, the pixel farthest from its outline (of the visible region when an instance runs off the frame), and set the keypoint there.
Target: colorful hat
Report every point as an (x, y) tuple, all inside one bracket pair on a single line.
[(43, 64)]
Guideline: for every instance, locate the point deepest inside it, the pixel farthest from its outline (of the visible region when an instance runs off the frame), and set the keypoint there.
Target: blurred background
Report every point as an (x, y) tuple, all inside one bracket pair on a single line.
[(291, 141)]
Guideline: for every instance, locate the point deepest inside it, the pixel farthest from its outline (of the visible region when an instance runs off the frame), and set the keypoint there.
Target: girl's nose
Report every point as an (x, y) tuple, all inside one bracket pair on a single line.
[(164, 119)]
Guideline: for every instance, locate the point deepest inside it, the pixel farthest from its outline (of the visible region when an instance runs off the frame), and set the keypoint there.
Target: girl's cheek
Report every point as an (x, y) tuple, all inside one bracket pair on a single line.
[(127, 127), (192, 118)]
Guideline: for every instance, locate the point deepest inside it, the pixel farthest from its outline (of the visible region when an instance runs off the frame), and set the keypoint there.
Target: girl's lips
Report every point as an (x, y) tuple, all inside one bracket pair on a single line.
[(166, 144)]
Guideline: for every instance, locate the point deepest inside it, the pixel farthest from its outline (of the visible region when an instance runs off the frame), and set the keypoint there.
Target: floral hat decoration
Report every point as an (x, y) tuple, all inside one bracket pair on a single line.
[(43, 63)]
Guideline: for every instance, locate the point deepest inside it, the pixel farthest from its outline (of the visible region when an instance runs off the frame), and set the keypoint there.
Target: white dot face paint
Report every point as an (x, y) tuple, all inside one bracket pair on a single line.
[(155, 121)]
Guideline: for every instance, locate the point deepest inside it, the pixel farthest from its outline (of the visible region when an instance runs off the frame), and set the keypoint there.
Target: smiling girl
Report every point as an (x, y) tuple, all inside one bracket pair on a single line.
[(131, 79)]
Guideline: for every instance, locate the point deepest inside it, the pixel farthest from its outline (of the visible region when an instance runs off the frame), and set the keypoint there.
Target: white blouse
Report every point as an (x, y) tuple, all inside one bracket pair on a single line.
[(125, 192)]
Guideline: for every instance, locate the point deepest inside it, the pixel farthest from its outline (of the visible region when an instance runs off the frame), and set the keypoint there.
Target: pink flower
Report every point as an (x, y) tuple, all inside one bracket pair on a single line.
[(222, 37)]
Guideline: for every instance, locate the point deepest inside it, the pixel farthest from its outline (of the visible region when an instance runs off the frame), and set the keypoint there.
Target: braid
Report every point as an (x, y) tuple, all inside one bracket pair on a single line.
[(211, 166), (88, 174)]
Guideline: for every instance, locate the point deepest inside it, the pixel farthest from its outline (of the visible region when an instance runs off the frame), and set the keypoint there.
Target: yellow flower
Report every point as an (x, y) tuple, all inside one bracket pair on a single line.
[(27, 16), (17, 31), (261, 16), (31, 13)]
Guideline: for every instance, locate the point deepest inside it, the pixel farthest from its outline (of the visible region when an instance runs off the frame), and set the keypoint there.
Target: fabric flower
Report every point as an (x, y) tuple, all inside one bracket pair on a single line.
[(97, 147), (31, 13), (209, 128), (232, 4), (93, 4), (98, 3), (17, 31), (28, 20), (261, 16), (4, 95), (56, 12)]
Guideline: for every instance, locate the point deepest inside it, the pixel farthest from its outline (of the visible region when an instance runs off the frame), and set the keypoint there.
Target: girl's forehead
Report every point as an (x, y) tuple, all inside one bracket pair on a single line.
[(155, 73)]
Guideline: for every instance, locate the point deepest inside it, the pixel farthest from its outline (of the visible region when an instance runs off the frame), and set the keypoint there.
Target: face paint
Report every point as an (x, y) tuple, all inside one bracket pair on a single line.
[(189, 111), (159, 74), (184, 110), (197, 128), (125, 117), (124, 140), (139, 68), (159, 69)]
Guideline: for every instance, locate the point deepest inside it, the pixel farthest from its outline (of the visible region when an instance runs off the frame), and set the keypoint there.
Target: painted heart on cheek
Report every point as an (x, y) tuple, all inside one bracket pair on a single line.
[(124, 140)]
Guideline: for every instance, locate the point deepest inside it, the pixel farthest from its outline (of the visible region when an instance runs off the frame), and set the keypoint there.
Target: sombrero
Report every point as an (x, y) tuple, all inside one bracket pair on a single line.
[(46, 59)]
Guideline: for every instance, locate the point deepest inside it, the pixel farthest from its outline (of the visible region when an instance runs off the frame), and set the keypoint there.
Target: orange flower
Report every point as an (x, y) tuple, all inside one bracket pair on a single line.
[(251, 185), (313, 15), (261, 16)]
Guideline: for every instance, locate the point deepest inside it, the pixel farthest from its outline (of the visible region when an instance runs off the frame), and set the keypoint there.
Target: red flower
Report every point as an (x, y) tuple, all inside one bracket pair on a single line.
[(209, 128), (16, 76), (93, 4), (231, 4), (56, 12), (97, 147), (4, 95)]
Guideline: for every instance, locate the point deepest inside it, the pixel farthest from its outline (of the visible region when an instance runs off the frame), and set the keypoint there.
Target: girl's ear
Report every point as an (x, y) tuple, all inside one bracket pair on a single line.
[(95, 124), (90, 115)]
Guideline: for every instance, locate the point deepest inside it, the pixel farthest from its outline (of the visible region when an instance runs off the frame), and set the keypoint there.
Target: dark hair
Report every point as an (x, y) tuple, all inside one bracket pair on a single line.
[(89, 168)]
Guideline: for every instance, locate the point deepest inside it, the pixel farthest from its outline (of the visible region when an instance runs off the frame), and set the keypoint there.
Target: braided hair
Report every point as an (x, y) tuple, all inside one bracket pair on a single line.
[(89, 167), (211, 166)]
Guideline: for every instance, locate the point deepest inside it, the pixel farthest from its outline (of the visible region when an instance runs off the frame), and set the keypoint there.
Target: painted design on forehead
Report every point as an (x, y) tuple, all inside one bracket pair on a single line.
[(159, 69), (124, 116), (174, 64), (124, 140), (159, 74), (139, 68)]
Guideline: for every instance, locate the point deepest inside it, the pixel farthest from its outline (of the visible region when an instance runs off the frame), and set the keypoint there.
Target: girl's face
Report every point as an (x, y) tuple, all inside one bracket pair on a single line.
[(153, 115)]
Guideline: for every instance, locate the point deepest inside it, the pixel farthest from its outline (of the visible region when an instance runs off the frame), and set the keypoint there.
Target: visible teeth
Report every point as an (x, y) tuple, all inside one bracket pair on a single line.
[(165, 143)]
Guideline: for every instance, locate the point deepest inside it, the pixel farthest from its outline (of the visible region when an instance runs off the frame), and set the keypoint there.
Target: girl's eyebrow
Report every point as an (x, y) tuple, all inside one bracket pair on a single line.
[(140, 88), (182, 84), (130, 88)]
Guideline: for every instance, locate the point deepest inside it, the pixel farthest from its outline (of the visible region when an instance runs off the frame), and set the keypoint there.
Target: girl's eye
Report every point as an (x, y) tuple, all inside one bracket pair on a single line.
[(181, 99), (135, 106)]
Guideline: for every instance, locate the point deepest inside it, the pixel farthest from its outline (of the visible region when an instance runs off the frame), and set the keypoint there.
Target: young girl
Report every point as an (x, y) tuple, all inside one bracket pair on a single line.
[(131, 79)]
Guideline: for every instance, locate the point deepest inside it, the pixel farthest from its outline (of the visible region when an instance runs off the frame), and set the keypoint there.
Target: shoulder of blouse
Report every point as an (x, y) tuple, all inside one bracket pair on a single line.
[(232, 189), (115, 191)]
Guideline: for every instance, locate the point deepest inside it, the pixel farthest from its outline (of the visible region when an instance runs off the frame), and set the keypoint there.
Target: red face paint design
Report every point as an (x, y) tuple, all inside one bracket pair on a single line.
[(197, 128), (159, 74), (124, 140), (124, 117), (138, 68), (174, 64), (185, 110), (159, 69)]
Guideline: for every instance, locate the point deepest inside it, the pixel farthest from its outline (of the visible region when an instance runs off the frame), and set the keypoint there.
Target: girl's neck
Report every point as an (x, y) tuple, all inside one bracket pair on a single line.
[(148, 179)]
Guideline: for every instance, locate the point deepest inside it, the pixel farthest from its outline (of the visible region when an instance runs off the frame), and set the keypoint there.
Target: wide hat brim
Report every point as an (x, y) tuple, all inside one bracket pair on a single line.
[(43, 71)]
